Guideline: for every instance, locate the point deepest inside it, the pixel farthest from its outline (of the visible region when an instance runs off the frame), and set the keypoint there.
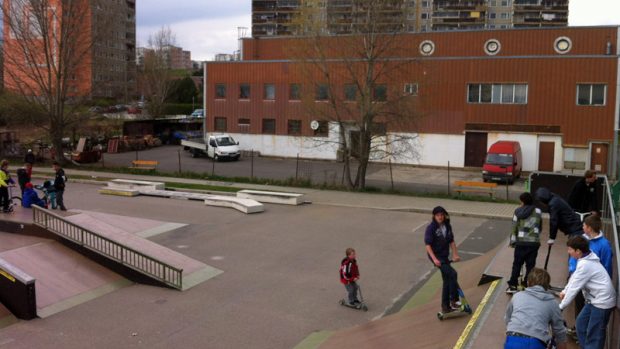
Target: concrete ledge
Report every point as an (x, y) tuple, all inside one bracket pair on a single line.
[(243, 205), (273, 197), (118, 192), (133, 184)]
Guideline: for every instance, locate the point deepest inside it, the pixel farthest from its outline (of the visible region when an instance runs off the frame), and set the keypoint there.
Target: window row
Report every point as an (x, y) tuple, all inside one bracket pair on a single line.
[(321, 92), (587, 94), (497, 93), (268, 126)]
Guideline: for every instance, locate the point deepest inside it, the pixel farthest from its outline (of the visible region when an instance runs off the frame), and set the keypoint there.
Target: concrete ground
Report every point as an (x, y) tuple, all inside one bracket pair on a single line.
[(406, 178), (279, 282)]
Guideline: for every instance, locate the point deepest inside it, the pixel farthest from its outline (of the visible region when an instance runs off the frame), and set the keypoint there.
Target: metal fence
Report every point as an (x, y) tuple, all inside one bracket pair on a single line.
[(113, 250)]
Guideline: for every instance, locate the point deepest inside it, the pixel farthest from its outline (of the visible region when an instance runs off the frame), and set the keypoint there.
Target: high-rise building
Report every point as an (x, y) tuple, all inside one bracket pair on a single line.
[(104, 38), (173, 57), (281, 17)]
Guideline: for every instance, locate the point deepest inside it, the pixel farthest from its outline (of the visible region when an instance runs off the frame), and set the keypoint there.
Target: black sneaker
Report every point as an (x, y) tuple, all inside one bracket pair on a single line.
[(62, 208), (512, 289)]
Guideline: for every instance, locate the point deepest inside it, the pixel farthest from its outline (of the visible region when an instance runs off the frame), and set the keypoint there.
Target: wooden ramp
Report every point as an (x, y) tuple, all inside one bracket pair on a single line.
[(418, 327), (64, 278)]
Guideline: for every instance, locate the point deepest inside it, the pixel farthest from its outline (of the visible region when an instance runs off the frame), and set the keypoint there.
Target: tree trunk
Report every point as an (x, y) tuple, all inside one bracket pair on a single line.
[(56, 133)]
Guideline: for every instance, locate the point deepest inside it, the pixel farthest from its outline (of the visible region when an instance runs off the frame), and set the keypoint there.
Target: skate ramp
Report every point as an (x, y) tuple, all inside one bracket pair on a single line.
[(419, 327), (64, 278)]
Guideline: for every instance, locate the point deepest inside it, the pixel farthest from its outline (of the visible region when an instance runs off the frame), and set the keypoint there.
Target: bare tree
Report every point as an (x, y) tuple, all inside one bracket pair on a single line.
[(357, 80), (157, 76), (45, 48)]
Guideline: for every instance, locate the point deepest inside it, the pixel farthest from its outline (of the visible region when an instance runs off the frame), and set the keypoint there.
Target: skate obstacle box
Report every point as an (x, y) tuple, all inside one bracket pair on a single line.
[(128, 187), (17, 291), (272, 197)]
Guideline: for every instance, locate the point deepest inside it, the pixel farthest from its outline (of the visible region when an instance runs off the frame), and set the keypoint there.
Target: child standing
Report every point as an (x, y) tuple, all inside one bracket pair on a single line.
[(349, 274), (439, 239), (59, 185), (590, 278), (5, 180), (525, 238)]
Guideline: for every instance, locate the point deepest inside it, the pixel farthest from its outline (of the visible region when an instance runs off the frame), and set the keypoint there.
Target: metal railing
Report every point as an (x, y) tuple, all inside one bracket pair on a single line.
[(113, 250), (610, 229)]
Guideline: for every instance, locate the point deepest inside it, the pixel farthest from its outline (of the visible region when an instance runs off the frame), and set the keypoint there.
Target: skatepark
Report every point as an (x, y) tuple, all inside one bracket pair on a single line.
[(260, 280)]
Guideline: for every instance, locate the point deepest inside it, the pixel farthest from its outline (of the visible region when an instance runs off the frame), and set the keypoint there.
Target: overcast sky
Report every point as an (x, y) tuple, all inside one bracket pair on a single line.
[(209, 27)]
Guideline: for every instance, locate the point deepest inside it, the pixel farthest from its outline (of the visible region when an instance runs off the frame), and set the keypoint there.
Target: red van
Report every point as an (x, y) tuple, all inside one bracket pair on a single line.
[(503, 162)]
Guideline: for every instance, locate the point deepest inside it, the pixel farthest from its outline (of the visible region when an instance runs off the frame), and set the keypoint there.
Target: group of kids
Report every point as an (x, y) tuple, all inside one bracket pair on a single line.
[(534, 317), (54, 189)]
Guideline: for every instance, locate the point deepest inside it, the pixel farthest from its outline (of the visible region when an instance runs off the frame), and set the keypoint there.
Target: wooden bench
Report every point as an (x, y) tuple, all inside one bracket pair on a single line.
[(144, 164), (475, 187)]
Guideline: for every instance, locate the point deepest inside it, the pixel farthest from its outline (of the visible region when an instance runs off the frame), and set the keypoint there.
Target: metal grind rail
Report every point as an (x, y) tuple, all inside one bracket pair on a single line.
[(113, 250)]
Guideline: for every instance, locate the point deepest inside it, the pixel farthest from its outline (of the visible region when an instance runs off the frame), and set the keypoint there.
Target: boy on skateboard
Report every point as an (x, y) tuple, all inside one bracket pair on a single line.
[(439, 239), (349, 274)]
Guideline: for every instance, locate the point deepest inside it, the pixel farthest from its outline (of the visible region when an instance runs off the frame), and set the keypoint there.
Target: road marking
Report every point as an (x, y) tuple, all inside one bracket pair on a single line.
[(418, 227), (471, 252), (472, 322)]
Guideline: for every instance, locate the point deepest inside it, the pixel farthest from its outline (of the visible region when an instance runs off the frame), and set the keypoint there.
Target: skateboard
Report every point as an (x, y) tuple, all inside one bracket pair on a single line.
[(465, 309)]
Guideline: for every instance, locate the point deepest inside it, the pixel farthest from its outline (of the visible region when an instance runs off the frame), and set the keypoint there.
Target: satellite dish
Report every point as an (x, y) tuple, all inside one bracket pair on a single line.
[(314, 125)]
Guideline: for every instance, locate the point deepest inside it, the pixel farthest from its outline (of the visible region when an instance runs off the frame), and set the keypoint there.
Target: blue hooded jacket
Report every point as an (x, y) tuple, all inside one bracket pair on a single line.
[(30, 198), (602, 248)]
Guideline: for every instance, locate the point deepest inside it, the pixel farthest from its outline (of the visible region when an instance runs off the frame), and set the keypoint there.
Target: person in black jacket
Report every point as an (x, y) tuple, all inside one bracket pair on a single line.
[(59, 185), (583, 197), (561, 215)]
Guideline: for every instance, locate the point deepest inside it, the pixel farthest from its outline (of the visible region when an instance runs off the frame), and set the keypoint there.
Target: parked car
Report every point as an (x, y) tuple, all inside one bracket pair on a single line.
[(198, 113), (503, 162), (134, 110)]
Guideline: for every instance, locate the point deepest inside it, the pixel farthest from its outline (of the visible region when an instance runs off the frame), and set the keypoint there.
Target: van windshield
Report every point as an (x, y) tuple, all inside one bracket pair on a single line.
[(499, 159), (225, 141)]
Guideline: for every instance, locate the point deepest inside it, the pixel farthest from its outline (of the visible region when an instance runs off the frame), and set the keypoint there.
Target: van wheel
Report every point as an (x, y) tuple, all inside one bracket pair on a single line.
[(193, 153), (485, 180), (216, 158)]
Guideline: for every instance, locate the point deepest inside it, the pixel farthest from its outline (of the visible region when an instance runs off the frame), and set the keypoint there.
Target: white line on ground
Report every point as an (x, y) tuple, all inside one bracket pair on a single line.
[(418, 227), (471, 252)]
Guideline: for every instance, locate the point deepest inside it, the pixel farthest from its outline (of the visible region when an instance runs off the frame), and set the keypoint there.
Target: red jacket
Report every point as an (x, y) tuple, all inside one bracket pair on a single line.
[(348, 271)]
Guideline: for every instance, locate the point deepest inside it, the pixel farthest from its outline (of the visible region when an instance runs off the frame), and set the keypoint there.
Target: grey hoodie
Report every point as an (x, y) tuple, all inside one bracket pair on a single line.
[(532, 311)]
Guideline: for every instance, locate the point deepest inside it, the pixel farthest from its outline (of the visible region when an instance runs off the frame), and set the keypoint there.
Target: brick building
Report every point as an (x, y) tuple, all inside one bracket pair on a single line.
[(107, 32), (279, 17), (555, 90)]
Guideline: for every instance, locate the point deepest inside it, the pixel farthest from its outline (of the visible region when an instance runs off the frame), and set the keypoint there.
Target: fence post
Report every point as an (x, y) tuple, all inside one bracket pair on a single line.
[(391, 176), (136, 154), (297, 168), (213, 166), (102, 160), (179, 152), (507, 198), (252, 164), (449, 193)]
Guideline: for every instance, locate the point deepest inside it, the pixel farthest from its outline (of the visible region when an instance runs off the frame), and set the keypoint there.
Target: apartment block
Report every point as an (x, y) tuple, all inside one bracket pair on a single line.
[(107, 35), (282, 17), (174, 57)]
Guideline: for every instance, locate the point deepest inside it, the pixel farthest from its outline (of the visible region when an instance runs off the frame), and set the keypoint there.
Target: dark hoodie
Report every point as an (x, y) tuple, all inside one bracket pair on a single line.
[(434, 237), (561, 215)]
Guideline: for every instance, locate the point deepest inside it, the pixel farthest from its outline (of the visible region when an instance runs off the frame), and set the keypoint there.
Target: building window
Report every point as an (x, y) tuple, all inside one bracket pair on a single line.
[(427, 47), (503, 15), (562, 45), (424, 15), (322, 92), (244, 91), (220, 124), (269, 126), (220, 91), (492, 15), (294, 92), (505, 3), (497, 93), (424, 3), (493, 3), (322, 130), (243, 125), (411, 89), (269, 92), (379, 93), (350, 92), (294, 127), (591, 94)]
